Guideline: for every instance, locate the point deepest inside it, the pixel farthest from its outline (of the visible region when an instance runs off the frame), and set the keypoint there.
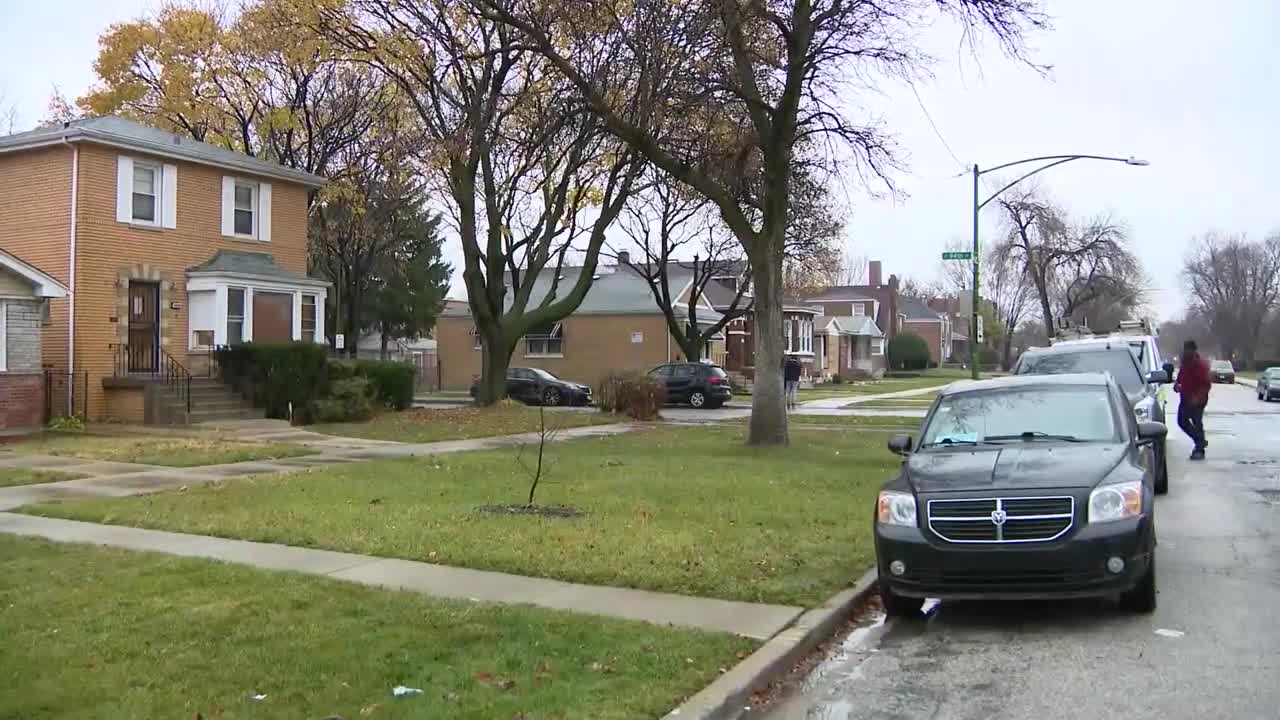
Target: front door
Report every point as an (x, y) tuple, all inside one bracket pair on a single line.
[(144, 326)]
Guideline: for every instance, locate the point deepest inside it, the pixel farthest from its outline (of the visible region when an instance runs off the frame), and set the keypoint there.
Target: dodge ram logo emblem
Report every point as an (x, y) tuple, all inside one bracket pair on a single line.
[(998, 517)]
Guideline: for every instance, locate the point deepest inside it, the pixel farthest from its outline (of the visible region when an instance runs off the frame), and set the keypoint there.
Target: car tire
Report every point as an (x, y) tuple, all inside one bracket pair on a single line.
[(899, 606), (551, 396), (1162, 471), (1142, 598), (697, 399)]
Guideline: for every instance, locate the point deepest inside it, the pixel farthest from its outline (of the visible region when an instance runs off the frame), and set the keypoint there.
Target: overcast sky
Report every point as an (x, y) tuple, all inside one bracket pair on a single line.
[(1186, 85)]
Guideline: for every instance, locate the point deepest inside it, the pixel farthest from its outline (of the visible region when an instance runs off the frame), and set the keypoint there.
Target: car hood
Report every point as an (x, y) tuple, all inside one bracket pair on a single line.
[(1019, 465)]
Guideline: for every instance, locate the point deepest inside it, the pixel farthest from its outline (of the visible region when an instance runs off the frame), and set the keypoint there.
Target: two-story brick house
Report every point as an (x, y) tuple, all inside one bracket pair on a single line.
[(167, 246)]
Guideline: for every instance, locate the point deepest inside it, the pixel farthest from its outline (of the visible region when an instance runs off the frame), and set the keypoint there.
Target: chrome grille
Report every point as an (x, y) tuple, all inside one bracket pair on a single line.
[(1001, 520)]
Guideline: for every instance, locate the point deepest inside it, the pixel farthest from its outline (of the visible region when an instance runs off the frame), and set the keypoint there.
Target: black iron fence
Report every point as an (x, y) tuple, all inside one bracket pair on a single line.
[(154, 364), (66, 394)]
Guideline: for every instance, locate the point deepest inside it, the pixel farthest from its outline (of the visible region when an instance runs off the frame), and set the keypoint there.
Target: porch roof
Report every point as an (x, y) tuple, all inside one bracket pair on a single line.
[(46, 286), (849, 325), (250, 266)]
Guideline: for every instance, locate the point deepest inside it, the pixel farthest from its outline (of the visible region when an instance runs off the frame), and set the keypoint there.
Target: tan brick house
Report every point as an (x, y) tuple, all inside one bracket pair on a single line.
[(25, 291), (933, 326), (167, 246), (618, 326)]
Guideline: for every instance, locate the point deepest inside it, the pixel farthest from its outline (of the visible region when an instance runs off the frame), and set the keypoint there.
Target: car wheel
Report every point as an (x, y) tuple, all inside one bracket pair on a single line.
[(697, 399), (898, 606), (551, 396), (1162, 470), (1142, 598)]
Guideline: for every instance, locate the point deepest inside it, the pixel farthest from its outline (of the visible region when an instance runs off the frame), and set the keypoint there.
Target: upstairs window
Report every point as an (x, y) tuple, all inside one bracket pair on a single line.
[(246, 196), (859, 309), (146, 192)]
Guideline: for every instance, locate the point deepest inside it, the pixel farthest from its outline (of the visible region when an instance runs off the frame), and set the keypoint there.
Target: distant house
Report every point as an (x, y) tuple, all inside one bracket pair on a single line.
[(618, 326), (935, 327)]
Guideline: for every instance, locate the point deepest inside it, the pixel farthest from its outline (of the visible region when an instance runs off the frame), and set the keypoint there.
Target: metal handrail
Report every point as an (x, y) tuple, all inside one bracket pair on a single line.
[(167, 369)]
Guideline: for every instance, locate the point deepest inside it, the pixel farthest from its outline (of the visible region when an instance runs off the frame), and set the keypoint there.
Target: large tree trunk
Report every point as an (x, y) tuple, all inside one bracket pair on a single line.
[(383, 351), (1046, 309), (768, 409), (353, 323), (692, 346), (496, 358)]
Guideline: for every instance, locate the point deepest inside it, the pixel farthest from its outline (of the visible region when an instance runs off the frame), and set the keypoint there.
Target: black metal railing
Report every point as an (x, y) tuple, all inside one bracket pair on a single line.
[(66, 394), (153, 363)]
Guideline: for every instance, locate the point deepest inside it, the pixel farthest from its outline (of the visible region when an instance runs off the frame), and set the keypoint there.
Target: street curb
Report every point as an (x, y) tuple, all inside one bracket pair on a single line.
[(730, 695)]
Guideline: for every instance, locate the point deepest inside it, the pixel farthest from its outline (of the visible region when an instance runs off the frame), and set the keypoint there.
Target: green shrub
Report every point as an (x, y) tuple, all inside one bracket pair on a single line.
[(347, 401), (836, 379), (277, 376), (67, 423), (631, 393), (908, 351), (392, 383)]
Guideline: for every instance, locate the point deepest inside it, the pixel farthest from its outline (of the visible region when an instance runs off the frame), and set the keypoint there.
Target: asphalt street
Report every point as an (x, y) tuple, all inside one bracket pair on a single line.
[(1211, 650)]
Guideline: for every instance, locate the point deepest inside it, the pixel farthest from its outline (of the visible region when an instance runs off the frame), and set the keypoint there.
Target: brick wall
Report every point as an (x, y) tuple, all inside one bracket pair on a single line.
[(22, 385), (931, 331), (21, 400)]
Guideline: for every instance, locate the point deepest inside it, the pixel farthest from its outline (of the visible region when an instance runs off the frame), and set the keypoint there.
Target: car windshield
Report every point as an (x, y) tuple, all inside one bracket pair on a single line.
[(1273, 373), (1071, 412), (718, 372), (542, 374), (1222, 365), (1119, 364)]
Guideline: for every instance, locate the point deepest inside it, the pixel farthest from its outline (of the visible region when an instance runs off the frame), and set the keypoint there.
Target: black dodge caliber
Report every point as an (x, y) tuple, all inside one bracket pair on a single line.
[(1033, 486)]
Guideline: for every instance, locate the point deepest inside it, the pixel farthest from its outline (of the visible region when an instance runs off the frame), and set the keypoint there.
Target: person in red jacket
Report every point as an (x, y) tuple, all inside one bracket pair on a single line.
[(1193, 384)]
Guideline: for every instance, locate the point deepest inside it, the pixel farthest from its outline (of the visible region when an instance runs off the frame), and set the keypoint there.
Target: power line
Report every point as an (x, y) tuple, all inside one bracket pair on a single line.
[(932, 124)]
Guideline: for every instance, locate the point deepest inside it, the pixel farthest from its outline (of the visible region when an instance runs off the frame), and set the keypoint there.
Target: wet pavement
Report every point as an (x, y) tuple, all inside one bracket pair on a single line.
[(1211, 650)]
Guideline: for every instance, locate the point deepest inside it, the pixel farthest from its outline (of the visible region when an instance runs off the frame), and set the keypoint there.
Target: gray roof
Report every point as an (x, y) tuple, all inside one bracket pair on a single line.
[(722, 297), (114, 130), (917, 310), (851, 325), (840, 292), (250, 264), (617, 291)]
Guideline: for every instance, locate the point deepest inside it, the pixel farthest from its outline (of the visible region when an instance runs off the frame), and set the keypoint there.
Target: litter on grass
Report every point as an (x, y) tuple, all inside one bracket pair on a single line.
[(1164, 632), (260, 697), (402, 691)]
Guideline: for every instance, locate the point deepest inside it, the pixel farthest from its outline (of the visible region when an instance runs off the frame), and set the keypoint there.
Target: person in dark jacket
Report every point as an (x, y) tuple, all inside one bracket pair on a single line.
[(791, 377), (1193, 385)]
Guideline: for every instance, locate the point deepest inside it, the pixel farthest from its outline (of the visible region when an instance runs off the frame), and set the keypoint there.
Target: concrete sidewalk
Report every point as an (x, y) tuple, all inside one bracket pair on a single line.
[(851, 400), (760, 622), (127, 479)]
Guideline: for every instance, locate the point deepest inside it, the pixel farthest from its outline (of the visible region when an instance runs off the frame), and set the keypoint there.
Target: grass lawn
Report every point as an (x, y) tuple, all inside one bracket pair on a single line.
[(685, 510), (849, 420), (156, 450), (164, 637), (917, 402), (22, 476), (425, 425)]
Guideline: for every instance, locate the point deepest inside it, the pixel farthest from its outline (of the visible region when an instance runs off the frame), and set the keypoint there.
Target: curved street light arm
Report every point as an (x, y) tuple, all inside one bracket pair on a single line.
[(997, 193), (1054, 157)]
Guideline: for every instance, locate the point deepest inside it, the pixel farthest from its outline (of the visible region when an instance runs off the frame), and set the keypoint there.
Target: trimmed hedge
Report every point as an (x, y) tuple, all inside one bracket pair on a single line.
[(391, 384), (347, 401), (908, 351), (273, 376)]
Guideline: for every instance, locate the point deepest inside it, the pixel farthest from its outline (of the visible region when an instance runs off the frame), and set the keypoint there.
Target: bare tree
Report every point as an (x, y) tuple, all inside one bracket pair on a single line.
[(666, 221), (730, 98), (538, 467), (1235, 284), (1098, 278), (8, 117), (1010, 290), (531, 178)]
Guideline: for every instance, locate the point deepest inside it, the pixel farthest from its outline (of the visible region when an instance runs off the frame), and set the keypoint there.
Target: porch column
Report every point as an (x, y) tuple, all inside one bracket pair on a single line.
[(295, 332), (248, 314), (219, 314)]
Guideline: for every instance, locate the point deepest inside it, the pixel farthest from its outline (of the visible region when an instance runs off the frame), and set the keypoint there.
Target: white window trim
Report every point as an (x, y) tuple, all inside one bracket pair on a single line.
[(157, 188), (260, 202), (253, 209), (4, 335), (859, 310), (557, 333), (221, 285)]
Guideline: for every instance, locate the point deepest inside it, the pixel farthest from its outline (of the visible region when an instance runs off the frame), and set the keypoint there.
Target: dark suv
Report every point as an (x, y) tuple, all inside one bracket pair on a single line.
[(697, 384)]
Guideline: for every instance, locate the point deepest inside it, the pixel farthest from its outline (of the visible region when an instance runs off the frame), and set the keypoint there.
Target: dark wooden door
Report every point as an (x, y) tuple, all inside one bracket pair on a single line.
[(144, 326), (273, 317)]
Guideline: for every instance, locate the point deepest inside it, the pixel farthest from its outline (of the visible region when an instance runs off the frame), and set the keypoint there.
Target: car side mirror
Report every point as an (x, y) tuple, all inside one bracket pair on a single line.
[(1159, 377), (1168, 371), (900, 444), (1149, 432)]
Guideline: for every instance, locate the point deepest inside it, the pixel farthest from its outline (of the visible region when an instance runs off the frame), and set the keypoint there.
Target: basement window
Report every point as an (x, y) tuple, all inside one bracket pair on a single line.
[(545, 341)]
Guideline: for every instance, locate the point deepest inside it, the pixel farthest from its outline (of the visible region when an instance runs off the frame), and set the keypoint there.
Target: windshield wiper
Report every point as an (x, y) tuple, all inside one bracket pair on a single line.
[(1036, 435)]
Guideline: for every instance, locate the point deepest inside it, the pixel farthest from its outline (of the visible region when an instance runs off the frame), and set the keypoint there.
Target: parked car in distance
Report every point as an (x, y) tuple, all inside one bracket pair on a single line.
[(1120, 360), (1023, 487), (1269, 384), (535, 386), (1222, 371), (700, 385)]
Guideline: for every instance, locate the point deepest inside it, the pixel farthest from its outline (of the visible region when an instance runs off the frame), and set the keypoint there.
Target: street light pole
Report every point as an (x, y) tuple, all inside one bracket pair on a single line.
[(1051, 161)]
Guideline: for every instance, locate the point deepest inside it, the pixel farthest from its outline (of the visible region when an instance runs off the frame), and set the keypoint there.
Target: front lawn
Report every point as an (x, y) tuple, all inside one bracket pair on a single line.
[(10, 477), (856, 420), (156, 450), (104, 633), (424, 425), (678, 509)]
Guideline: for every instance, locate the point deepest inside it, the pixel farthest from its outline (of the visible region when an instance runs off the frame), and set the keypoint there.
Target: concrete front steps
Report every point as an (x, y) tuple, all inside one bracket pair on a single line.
[(211, 401)]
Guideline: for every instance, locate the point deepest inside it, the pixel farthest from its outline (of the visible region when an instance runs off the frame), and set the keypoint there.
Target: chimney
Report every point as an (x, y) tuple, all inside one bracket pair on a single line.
[(893, 281), (873, 273), (624, 257)]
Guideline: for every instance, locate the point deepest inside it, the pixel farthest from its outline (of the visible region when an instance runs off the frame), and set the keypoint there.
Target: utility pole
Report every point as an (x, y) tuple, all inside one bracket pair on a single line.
[(973, 311)]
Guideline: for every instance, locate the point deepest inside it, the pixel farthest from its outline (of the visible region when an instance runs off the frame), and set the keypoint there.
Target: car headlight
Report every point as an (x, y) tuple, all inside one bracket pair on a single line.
[(896, 508), (1115, 502)]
